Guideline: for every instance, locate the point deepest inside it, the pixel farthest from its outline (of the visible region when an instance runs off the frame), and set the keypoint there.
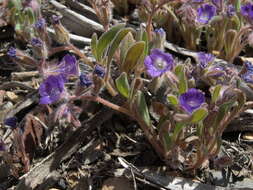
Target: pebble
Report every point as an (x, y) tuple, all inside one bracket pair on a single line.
[(11, 96)]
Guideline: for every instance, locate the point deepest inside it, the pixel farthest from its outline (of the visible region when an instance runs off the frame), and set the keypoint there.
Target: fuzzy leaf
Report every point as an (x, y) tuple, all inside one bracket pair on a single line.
[(117, 40), (238, 6), (216, 93), (30, 15), (94, 42), (106, 39), (178, 69), (172, 99), (126, 43), (177, 130), (15, 3), (144, 38), (123, 85), (183, 83), (142, 107), (133, 55), (167, 141), (199, 115)]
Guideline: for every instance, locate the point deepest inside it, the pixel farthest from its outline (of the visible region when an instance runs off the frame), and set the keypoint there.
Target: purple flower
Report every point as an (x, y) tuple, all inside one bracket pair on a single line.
[(158, 63), (11, 121), (247, 10), (160, 32), (36, 42), (51, 89), (2, 145), (204, 59), (249, 66), (230, 10), (100, 71), (85, 80), (191, 100), (205, 13), (68, 66), (56, 19), (40, 24), (215, 71), (197, 1), (248, 77), (68, 113), (12, 52)]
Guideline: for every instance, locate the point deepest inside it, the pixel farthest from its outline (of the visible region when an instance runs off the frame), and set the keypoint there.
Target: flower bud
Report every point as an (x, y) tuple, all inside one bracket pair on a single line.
[(61, 33), (159, 38), (39, 48), (99, 71), (11, 122), (85, 80), (12, 52), (2, 145)]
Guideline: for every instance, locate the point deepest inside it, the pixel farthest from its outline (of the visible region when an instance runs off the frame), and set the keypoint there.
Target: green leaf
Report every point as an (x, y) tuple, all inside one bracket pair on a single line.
[(145, 39), (116, 42), (123, 85), (179, 69), (133, 55), (183, 83), (30, 15), (142, 107), (126, 43), (200, 128), (167, 141), (172, 99), (94, 42), (224, 108), (199, 115), (106, 39), (238, 6), (216, 93), (177, 130), (15, 3)]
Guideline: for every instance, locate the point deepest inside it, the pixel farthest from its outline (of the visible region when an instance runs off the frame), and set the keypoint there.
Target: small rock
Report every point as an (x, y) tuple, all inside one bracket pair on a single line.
[(117, 184), (248, 136), (11, 96)]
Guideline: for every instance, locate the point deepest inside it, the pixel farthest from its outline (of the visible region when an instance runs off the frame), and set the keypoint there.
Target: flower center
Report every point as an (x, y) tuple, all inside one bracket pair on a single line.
[(160, 64), (192, 103), (205, 16)]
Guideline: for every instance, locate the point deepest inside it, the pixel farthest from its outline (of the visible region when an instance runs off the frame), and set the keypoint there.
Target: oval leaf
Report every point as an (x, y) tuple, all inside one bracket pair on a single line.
[(94, 42), (216, 93), (106, 39), (132, 57), (116, 41), (30, 15), (142, 108), (123, 85), (183, 83), (172, 99), (199, 115)]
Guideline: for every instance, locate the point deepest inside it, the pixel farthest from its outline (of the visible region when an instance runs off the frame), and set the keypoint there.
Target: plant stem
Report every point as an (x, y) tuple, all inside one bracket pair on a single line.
[(106, 103)]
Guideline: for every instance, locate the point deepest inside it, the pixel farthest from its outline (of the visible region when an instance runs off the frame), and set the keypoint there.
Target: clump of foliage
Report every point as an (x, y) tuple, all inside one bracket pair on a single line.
[(182, 120)]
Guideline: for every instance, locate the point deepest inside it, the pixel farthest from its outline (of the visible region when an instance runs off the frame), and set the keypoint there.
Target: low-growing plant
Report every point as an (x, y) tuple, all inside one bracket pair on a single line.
[(224, 26), (183, 108)]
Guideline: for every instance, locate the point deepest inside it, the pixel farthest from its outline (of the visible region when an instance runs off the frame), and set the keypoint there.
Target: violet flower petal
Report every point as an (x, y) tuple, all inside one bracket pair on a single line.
[(68, 66), (205, 13), (158, 63), (51, 89), (85, 80), (191, 100), (11, 121), (100, 71)]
